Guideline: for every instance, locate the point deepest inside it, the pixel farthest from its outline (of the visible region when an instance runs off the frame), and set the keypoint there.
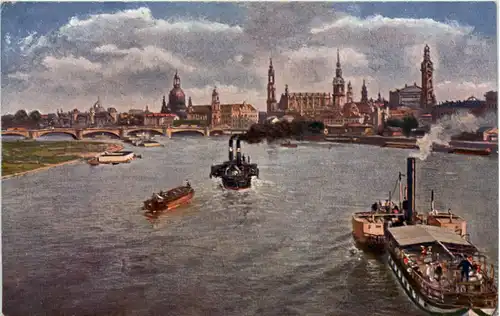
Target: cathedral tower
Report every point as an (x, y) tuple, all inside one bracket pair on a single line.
[(364, 93), (349, 93), (271, 88), (215, 107), (338, 85), (427, 97)]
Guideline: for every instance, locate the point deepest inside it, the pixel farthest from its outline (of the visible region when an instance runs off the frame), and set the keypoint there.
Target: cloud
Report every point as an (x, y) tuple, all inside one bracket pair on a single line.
[(129, 57)]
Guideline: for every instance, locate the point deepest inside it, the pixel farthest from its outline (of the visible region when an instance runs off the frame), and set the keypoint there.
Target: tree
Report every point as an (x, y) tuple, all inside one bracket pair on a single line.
[(21, 116), (316, 127), (35, 116), (409, 123), (7, 120), (394, 123)]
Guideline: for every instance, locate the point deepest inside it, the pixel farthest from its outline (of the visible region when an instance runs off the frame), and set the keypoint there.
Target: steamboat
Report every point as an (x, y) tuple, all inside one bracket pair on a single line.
[(368, 228), (236, 174), (169, 200), (426, 261)]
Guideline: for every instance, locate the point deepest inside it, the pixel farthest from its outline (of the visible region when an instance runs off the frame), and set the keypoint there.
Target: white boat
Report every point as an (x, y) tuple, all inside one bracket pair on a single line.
[(116, 157)]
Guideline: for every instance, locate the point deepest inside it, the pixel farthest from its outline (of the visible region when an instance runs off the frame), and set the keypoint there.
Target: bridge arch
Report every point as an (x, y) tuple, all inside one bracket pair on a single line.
[(180, 131), (217, 131), (14, 133), (44, 133), (92, 132), (154, 131)]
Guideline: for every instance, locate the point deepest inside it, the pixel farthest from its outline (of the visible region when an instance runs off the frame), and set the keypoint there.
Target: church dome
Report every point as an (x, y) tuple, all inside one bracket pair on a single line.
[(177, 96)]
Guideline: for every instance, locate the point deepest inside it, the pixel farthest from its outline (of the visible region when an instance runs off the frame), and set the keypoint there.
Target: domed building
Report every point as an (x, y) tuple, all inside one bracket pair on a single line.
[(177, 99)]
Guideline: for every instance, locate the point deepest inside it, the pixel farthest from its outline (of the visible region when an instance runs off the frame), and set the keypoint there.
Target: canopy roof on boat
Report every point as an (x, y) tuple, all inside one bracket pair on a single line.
[(422, 234)]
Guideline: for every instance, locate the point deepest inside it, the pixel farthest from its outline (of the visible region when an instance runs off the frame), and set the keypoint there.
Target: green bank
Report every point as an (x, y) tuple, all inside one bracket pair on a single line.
[(22, 156)]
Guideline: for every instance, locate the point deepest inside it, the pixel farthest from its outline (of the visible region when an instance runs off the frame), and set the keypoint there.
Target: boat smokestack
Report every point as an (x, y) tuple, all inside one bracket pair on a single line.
[(238, 151), (411, 187), (432, 200), (231, 154)]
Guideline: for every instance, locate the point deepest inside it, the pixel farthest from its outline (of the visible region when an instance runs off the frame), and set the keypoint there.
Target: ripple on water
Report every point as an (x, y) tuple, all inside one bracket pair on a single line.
[(76, 242)]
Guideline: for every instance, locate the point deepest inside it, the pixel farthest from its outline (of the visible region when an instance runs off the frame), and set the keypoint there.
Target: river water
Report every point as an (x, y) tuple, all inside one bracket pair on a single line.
[(75, 241)]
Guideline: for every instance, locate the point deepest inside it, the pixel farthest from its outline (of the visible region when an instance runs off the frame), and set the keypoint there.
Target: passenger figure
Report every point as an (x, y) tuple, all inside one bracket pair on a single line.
[(438, 272), (466, 265), (243, 158), (248, 159), (188, 184), (424, 251), (395, 210)]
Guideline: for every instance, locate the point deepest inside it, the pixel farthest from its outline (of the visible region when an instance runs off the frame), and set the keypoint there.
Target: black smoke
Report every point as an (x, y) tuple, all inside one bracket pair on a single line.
[(280, 130)]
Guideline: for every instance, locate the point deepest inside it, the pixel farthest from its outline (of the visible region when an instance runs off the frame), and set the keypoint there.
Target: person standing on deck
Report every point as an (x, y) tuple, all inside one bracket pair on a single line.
[(466, 265)]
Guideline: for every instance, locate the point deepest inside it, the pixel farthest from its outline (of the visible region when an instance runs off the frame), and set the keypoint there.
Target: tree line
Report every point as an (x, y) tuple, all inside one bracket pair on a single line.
[(22, 119)]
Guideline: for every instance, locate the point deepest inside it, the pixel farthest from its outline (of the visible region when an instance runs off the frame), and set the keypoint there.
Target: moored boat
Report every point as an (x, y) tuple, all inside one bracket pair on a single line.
[(400, 145), (166, 201), (150, 143), (93, 161), (471, 151), (288, 144), (425, 260), (116, 157)]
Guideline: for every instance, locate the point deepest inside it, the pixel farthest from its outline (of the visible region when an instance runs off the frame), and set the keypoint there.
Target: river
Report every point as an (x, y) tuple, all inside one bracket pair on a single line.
[(75, 241)]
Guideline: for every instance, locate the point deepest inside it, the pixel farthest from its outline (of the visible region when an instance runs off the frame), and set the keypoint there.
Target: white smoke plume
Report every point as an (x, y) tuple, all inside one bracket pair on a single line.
[(452, 125)]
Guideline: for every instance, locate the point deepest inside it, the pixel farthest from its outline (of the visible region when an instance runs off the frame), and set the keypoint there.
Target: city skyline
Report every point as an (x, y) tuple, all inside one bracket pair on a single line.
[(127, 53)]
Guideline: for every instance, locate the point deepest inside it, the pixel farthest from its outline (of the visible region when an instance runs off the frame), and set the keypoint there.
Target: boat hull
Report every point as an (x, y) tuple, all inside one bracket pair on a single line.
[(370, 243), (183, 200), (424, 304), (469, 151), (236, 183)]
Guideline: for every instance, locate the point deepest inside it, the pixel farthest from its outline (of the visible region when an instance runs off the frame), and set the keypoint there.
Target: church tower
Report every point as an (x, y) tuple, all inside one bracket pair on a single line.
[(349, 93), (364, 93), (164, 108), (271, 88), (338, 85), (427, 97), (215, 107)]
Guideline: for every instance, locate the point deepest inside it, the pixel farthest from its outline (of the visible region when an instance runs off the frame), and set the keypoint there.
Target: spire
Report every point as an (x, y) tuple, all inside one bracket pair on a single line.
[(338, 71), (177, 80), (427, 52), (164, 108), (215, 96), (364, 92), (270, 72), (190, 102)]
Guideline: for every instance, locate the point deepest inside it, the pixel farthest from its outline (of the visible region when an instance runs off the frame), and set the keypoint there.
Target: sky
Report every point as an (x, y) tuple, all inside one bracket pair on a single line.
[(64, 55)]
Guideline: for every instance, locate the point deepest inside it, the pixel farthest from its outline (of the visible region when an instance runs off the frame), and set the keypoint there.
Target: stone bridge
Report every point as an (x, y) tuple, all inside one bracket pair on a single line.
[(121, 132)]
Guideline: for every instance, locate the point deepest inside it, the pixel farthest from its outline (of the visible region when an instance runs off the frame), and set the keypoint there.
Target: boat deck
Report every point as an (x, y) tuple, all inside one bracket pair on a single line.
[(445, 248)]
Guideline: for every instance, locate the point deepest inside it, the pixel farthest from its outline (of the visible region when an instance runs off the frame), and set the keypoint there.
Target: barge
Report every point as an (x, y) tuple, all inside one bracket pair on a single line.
[(471, 151), (116, 157), (400, 145), (169, 200), (426, 259)]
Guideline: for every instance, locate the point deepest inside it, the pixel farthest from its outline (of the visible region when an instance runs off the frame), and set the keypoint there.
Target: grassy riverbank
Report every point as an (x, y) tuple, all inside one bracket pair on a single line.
[(22, 156)]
